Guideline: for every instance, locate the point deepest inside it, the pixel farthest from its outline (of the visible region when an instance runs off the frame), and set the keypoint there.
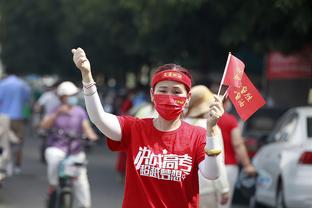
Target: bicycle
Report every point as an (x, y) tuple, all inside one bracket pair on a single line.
[(69, 170)]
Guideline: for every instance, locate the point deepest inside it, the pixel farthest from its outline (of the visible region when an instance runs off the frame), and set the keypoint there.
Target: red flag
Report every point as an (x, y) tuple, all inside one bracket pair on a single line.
[(246, 99), (234, 72)]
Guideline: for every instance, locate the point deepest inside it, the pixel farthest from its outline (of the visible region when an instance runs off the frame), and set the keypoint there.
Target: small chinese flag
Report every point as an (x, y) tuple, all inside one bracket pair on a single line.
[(246, 99), (234, 72)]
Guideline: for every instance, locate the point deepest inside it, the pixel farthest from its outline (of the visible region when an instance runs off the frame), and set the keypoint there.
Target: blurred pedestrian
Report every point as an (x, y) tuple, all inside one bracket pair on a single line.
[(14, 100), (234, 149), (124, 108), (7, 137), (146, 110), (49, 99), (69, 118), (310, 97), (45, 103), (212, 193), (165, 153), (137, 105)]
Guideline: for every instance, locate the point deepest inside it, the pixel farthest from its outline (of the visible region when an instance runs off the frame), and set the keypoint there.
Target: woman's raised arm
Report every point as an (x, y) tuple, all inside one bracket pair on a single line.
[(107, 123)]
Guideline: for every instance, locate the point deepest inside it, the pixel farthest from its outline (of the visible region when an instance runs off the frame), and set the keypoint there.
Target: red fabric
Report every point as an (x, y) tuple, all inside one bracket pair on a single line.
[(227, 123), (172, 75), (246, 99), (125, 106), (234, 72), (291, 66), (121, 163), (169, 106), (162, 167)]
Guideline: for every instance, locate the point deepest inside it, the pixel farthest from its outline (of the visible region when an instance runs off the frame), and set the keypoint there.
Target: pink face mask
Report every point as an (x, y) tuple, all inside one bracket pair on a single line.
[(169, 107)]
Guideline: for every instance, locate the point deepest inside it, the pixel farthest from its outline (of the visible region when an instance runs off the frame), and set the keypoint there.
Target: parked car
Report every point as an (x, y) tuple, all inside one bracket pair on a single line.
[(255, 132), (284, 165)]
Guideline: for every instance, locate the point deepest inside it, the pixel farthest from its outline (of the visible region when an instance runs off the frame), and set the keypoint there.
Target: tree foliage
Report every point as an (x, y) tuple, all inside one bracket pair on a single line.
[(122, 35)]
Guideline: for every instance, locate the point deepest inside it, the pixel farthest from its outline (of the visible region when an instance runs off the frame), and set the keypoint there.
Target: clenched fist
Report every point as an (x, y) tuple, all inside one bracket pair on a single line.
[(81, 61), (215, 112)]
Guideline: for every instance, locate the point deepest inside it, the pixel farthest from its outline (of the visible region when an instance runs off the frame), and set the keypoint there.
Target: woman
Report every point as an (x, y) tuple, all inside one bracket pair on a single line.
[(163, 154), (234, 150), (69, 118), (212, 193)]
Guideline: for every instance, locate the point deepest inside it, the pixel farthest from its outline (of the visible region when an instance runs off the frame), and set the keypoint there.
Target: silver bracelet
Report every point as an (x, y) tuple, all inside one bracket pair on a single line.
[(91, 90), (88, 85)]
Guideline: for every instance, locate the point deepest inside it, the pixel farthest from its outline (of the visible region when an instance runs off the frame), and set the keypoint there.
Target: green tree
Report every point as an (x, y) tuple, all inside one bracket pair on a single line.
[(123, 35), (263, 26), (28, 35)]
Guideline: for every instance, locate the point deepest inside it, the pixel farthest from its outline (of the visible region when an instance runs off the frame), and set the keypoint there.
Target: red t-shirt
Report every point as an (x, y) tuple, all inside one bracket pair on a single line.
[(227, 123), (162, 167)]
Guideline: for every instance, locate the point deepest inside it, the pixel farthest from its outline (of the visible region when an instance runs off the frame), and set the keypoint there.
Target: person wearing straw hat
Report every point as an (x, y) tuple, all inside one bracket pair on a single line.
[(164, 154), (212, 193)]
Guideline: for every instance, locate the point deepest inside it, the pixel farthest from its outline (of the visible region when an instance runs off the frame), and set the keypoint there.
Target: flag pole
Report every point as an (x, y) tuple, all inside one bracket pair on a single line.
[(225, 94), (224, 72)]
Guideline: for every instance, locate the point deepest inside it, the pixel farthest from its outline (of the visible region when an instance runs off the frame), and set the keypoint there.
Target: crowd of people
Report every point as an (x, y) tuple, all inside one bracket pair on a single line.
[(175, 141)]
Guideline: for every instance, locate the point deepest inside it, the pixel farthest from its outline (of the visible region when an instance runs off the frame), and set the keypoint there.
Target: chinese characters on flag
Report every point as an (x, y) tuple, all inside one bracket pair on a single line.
[(233, 72), (246, 98)]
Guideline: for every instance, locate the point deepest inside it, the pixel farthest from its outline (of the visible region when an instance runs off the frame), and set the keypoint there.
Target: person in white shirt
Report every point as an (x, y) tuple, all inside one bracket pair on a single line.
[(212, 193), (48, 100)]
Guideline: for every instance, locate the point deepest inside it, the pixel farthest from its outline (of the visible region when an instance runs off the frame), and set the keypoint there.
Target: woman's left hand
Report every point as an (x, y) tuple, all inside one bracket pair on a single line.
[(215, 112)]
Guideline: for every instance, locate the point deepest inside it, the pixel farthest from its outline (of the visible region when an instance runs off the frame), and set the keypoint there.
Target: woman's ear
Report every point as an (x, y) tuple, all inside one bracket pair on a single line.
[(152, 94)]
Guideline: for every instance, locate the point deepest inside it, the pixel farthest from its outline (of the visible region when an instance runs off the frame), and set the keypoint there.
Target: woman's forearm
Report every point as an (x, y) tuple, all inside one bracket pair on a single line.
[(48, 121), (87, 77), (222, 183), (239, 147), (107, 123), (210, 166), (242, 154)]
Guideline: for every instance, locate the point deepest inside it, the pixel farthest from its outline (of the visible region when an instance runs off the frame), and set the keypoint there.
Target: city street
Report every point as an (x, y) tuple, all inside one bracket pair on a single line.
[(28, 190), (241, 70)]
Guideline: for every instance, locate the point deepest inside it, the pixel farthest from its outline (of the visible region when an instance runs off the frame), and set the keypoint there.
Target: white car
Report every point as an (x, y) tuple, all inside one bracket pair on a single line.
[(285, 164)]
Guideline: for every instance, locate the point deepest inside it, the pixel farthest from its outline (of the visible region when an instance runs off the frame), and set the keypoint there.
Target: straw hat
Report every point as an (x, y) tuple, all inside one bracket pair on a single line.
[(200, 99)]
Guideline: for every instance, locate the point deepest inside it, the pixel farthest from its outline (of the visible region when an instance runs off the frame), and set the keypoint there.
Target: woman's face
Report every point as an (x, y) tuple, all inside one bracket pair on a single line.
[(170, 88), (63, 99), (167, 87), (69, 100)]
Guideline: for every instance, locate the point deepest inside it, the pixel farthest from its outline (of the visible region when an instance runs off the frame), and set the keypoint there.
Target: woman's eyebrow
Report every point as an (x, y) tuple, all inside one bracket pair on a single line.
[(163, 87), (177, 87)]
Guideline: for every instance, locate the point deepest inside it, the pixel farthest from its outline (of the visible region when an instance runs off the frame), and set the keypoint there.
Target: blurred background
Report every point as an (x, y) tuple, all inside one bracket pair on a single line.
[(125, 40)]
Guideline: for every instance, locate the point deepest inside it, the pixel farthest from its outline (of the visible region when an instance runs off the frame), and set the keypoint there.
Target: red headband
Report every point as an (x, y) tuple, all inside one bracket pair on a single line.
[(172, 75)]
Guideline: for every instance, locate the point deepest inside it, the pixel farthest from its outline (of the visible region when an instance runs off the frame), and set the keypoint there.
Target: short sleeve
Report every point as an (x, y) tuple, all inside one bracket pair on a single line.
[(233, 122), (126, 122), (201, 143), (42, 99)]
